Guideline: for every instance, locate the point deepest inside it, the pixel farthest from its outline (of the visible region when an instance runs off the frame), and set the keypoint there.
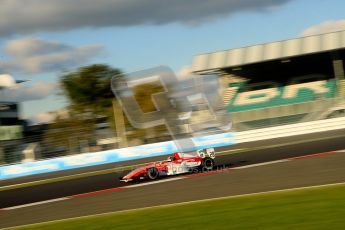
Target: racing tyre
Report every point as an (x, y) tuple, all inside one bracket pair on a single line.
[(207, 164), (152, 173)]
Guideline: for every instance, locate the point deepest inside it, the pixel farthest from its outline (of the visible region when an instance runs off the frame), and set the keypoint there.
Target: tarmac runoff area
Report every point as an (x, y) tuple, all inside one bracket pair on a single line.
[(296, 172)]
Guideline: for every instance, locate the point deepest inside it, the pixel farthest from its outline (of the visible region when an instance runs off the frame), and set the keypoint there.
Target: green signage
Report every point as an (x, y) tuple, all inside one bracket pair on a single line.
[(277, 96)]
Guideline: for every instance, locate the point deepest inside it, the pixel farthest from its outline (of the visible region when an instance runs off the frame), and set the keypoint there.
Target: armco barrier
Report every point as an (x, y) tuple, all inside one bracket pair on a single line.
[(290, 130), (110, 156)]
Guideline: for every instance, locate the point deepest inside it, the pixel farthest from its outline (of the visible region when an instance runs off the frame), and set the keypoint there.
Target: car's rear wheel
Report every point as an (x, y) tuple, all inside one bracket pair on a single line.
[(207, 164), (152, 173)]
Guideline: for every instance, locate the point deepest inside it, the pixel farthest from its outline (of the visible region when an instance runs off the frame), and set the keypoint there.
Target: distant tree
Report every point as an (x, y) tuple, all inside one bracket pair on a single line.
[(88, 88), (67, 135)]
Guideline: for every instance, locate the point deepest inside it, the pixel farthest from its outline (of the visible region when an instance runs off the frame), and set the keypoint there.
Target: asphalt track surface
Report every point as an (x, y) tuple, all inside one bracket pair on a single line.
[(212, 187), (300, 172), (333, 140), (43, 192)]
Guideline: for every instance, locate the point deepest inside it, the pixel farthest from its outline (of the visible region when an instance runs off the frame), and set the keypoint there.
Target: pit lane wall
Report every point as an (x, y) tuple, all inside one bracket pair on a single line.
[(109, 156)]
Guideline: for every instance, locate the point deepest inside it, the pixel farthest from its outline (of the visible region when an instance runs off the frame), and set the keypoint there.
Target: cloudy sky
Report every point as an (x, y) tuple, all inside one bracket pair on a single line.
[(39, 40)]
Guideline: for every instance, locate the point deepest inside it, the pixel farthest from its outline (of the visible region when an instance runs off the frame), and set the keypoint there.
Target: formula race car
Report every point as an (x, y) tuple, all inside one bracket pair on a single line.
[(178, 163)]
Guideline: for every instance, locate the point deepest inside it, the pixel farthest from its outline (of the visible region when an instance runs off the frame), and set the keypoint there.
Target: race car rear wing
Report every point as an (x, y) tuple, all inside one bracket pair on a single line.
[(209, 152)]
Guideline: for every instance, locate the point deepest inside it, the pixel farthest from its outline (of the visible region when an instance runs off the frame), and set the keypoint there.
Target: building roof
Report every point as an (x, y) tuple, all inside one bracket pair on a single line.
[(279, 50)]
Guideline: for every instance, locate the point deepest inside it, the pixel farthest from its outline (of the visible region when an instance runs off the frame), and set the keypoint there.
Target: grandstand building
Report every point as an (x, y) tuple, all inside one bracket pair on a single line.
[(289, 81)]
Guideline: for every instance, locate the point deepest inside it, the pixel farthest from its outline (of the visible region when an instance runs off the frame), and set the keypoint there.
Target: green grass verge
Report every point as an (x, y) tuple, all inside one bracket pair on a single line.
[(312, 208)]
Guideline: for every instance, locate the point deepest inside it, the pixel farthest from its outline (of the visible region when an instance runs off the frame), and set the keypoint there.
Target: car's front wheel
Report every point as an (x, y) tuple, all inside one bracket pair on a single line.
[(152, 173)]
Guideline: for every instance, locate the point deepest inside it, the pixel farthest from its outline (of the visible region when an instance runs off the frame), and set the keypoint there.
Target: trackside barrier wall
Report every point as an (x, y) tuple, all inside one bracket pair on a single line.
[(290, 130), (109, 156), (164, 148)]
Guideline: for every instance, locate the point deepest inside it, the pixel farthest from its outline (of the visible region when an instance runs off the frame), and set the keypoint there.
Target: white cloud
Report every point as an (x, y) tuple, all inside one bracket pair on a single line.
[(27, 47), (325, 27), (23, 92), (31, 55), (48, 117), (6, 81), (28, 16), (184, 73), (42, 118)]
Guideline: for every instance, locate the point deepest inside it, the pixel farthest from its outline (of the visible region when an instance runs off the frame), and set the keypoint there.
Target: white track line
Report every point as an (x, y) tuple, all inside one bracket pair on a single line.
[(36, 203), (70, 176), (74, 175), (181, 203), (261, 164), (157, 182), (67, 198)]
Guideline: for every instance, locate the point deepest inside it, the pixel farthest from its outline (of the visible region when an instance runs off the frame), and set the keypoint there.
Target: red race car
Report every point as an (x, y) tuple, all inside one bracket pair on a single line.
[(176, 164)]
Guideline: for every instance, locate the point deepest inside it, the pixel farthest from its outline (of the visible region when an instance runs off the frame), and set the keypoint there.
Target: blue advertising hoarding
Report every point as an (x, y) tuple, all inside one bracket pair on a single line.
[(110, 156)]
